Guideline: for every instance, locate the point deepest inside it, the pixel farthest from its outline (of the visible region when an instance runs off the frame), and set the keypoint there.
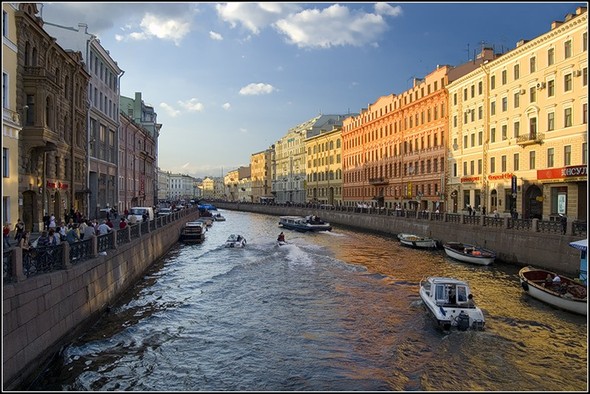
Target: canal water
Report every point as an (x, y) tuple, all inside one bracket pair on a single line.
[(329, 311)]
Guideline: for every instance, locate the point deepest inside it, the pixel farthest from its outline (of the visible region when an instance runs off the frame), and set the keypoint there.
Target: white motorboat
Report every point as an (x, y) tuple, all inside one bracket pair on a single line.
[(193, 232), (566, 293), (469, 253), (448, 301), (235, 241), (417, 241)]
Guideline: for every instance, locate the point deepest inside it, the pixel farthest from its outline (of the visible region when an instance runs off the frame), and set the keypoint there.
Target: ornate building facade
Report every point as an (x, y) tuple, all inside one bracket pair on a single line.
[(52, 87), (324, 167)]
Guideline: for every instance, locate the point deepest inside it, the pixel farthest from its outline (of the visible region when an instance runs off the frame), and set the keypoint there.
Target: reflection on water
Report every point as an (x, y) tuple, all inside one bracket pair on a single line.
[(330, 311)]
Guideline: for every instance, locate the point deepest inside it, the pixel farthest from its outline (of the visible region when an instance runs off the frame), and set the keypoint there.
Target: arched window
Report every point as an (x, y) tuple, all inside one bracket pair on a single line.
[(27, 54)]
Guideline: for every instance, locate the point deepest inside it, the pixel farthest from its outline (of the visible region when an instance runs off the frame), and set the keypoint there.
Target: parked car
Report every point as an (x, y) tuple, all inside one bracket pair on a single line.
[(164, 211), (138, 212)]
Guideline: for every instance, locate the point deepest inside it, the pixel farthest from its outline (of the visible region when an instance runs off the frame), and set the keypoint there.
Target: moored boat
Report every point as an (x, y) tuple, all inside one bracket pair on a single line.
[(417, 241), (450, 303), (193, 232), (469, 253), (235, 241), (564, 293), (304, 224)]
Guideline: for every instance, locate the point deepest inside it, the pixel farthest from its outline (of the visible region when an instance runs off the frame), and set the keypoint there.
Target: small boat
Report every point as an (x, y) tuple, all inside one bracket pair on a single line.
[(566, 293), (417, 241), (235, 241), (193, 232), (304, 224), (218, 217), (450, 303), (207, 220), (469, 253)]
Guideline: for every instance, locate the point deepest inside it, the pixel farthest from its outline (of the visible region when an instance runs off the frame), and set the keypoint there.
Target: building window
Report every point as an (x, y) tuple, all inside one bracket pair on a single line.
[(480, 88), (465, 142), (551, 121), (493, 108), (585, 153), (5, 86), (516, 100), (567, 155), (480, 112), (492, 165), (465, 94), (504, 104), (5, 163), (504, 132), (493, 134), (465, 168), (503, 163), (585, 41), (567, 117), (550, 56), (504, 77), (516, 161), (532, 65), (585, 113), (533, 128), (516, 129), (480, 138), (550, 157), (551, 88), (516, 71), (532, 158), (479, 166), (585, 76), (493, 82), (472, 91), (567, 82), (567, 49), (533, 94), (455, 99)]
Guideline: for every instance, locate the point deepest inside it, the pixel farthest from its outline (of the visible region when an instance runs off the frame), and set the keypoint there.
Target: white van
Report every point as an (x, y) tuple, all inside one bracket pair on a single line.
[(138, 212)]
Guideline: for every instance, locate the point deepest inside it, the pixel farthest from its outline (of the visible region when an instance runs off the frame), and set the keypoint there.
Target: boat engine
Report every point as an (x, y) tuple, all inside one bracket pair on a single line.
[(462, 321)]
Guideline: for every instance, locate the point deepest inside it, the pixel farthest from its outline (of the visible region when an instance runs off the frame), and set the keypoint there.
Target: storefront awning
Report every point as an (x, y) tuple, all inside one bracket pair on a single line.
[(580, 245)]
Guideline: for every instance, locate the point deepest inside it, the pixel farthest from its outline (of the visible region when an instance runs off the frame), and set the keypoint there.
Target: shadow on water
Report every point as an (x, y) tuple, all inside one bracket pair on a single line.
[(330, 311)]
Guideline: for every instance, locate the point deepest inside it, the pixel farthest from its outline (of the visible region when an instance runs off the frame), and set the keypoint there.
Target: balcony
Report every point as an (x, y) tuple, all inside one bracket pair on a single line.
[(530, 139), (378, 181)]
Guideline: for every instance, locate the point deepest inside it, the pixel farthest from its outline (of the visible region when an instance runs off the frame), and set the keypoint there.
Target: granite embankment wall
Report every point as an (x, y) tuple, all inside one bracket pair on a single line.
[(42, 313), (514, 246)]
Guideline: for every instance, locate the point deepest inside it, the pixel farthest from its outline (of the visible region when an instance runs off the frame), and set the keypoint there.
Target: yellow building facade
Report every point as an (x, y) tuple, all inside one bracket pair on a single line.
[(324, 167), (518, 128), (260, 165), (11, 118)]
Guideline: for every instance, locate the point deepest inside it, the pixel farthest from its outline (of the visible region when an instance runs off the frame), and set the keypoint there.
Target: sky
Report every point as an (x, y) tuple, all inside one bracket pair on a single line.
[(228, 80)]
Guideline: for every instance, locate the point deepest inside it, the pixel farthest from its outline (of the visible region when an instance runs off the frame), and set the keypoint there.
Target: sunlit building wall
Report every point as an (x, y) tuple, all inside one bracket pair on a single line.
[(324, 167), (260, 165)]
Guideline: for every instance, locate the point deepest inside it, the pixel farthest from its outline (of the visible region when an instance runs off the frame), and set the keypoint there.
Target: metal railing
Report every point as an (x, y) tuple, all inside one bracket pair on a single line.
[(39, 260)]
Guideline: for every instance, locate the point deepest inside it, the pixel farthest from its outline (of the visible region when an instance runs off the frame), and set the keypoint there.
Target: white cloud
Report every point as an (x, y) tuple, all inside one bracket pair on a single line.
[(172, 112), (215, 36), (386, 9), (256, 89), (192, 105), (254, 16), (332, 26), (243, 130), (226, 106)]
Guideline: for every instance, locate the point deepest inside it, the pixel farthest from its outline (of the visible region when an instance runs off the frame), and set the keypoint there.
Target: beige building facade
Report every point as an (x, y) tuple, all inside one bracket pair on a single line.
[(520, 143), (11, 118), (260, 166)]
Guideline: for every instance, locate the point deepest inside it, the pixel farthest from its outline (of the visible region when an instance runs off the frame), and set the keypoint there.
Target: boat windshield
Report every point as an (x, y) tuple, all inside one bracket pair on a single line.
[(461, 294)]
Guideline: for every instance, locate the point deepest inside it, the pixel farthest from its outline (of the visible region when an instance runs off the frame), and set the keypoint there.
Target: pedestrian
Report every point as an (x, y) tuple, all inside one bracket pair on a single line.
[(43, 240), (483, 210), (563, 221), (82, 228), (72, 235), (54, 238), (469, 209), (122, 224), (19, 229), (62, 230), (25, 241), (109, 223), (6, 234), (51, 222), (89, 230), (46, 221), (104, 228)]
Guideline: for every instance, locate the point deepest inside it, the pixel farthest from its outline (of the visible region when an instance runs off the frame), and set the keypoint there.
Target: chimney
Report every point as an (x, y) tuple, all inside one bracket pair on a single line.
[(521, 43), (556, 24), (580, 10), (568, 17)]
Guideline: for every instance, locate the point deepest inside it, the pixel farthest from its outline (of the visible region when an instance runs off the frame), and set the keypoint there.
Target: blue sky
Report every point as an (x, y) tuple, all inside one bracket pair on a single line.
[(230, 79)]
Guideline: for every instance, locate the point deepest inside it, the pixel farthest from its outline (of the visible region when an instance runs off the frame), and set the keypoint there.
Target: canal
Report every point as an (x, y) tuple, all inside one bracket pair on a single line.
[(329, 311)]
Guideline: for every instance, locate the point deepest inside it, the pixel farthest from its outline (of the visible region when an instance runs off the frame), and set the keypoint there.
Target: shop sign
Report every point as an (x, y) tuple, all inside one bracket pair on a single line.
[(566, 173), (505, 175), (56, 185), (470, 179)]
